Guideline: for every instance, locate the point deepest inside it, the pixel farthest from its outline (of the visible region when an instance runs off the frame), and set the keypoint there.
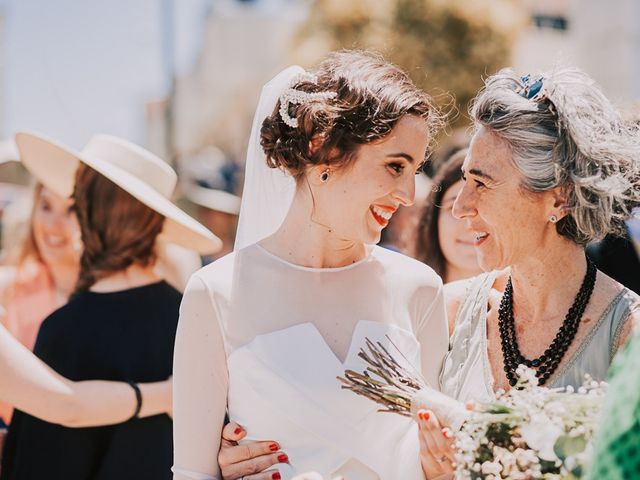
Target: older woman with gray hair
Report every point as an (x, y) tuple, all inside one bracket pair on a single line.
[(552, 166)]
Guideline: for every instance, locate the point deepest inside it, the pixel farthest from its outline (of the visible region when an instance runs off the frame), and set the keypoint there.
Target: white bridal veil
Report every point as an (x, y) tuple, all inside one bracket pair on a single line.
[(268, 192)]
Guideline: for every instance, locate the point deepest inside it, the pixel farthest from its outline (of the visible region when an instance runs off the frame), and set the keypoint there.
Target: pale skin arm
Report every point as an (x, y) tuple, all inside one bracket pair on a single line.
[(433, 335), (33, 387), (436, 452), (631, 325), (200, 386)]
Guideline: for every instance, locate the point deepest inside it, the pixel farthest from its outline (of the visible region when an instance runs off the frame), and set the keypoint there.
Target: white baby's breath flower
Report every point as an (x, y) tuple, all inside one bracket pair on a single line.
[(525, 457), (504, 456), (580, 430), (555, 408), (516, 475), (491, 468), (541, 434), (522, 426)]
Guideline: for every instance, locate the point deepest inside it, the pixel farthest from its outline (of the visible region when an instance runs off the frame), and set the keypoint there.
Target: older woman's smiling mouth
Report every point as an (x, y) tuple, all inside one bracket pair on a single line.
[(479, 238)]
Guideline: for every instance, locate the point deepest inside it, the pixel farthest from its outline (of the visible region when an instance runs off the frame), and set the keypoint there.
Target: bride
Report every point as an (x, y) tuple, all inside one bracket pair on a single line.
[(264, 331)]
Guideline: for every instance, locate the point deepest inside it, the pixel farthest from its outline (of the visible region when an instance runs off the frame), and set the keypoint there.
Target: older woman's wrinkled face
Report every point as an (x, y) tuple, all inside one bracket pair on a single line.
[(508, 223)]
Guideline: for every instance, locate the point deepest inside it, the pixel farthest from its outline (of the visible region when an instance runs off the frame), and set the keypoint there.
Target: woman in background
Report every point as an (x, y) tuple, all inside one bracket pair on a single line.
[(42, 272), (120, 324), (443, 241)]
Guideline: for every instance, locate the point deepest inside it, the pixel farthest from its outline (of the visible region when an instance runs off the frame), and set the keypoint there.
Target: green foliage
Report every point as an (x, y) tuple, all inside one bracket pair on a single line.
[(500, 434), (567, 446), (498, 408), (446, 46)]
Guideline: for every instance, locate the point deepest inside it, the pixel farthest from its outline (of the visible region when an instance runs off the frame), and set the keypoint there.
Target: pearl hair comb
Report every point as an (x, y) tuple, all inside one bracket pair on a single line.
[(299, 97)]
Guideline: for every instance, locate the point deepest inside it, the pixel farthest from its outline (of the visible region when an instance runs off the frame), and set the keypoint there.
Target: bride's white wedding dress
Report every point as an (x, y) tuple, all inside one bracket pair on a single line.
[(267, 339)]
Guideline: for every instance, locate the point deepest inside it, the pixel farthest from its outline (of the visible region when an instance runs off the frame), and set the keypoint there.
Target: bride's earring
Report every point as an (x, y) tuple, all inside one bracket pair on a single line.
[(553, 219), (324, 176)]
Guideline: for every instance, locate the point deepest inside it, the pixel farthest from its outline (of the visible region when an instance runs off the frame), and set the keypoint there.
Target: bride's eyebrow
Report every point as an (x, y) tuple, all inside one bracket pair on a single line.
[(406, 156)]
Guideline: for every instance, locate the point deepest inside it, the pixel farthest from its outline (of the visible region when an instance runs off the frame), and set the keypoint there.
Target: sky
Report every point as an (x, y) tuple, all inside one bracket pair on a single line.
[(73, 68)]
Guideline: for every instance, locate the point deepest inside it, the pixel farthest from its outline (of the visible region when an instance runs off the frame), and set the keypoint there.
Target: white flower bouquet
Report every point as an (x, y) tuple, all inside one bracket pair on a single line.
[(529, 432)]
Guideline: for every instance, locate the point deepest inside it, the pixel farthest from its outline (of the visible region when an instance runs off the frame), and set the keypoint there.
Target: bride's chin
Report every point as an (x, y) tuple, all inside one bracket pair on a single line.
[(373, 237)]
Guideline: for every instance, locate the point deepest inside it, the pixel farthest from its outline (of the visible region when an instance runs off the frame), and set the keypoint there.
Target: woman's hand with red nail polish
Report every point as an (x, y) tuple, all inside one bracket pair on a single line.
[(314, 476), (436, 445), (251, 460)]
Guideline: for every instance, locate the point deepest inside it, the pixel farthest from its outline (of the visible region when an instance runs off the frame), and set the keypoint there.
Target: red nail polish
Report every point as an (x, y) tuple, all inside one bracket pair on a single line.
[(237, 431), (276, 476), (274, 447), (283, 458), (426, 416)]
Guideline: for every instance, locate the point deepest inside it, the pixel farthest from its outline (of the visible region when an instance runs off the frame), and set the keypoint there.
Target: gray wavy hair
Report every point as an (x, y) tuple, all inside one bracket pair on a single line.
[(567, 135)]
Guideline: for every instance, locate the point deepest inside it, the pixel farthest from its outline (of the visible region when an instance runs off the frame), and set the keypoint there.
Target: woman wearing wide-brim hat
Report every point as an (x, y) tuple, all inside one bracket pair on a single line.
[(120, 324)]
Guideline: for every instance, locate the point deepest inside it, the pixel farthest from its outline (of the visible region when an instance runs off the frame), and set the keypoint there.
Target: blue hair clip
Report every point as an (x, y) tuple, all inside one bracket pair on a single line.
[(530, 88)]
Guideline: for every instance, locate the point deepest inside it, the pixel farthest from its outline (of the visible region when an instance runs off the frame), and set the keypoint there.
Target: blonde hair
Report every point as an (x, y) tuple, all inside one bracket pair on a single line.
[(26, 249)]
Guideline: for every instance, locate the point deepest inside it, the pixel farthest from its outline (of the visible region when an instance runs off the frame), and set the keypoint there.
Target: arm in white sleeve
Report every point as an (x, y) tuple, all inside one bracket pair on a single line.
[(433, 335), (200, 383), (434, 340)]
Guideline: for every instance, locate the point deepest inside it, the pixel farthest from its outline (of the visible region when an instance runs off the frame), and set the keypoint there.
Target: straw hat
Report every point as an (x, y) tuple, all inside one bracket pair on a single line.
[(134, 169), (8, 151), (213, 199)]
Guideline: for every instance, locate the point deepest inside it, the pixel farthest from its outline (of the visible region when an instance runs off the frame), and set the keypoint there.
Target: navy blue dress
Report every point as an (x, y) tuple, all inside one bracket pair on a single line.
[(126, 335)]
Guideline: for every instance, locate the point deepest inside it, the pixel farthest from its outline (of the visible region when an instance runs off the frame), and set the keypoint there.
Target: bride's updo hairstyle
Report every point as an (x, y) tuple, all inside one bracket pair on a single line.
[(367, 98), (563, 132)]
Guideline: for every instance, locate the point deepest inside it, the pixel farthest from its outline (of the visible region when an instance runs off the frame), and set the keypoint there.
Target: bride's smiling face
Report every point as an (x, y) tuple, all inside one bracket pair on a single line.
[(357, 201)]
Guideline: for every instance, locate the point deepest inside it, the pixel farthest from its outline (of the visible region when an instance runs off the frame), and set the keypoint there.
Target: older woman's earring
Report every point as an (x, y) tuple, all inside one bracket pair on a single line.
[(324, 176), (553, 219)]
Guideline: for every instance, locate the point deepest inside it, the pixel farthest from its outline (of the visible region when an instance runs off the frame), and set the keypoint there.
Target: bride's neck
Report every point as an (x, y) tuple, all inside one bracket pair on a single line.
[(302, 240)]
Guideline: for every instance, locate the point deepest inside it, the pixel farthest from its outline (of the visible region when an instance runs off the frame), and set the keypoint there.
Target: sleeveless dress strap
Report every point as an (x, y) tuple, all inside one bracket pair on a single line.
[(597, 350)]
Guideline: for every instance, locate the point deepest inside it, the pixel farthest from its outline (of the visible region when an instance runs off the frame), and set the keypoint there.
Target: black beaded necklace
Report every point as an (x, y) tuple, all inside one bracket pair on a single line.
[(548, 362)]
